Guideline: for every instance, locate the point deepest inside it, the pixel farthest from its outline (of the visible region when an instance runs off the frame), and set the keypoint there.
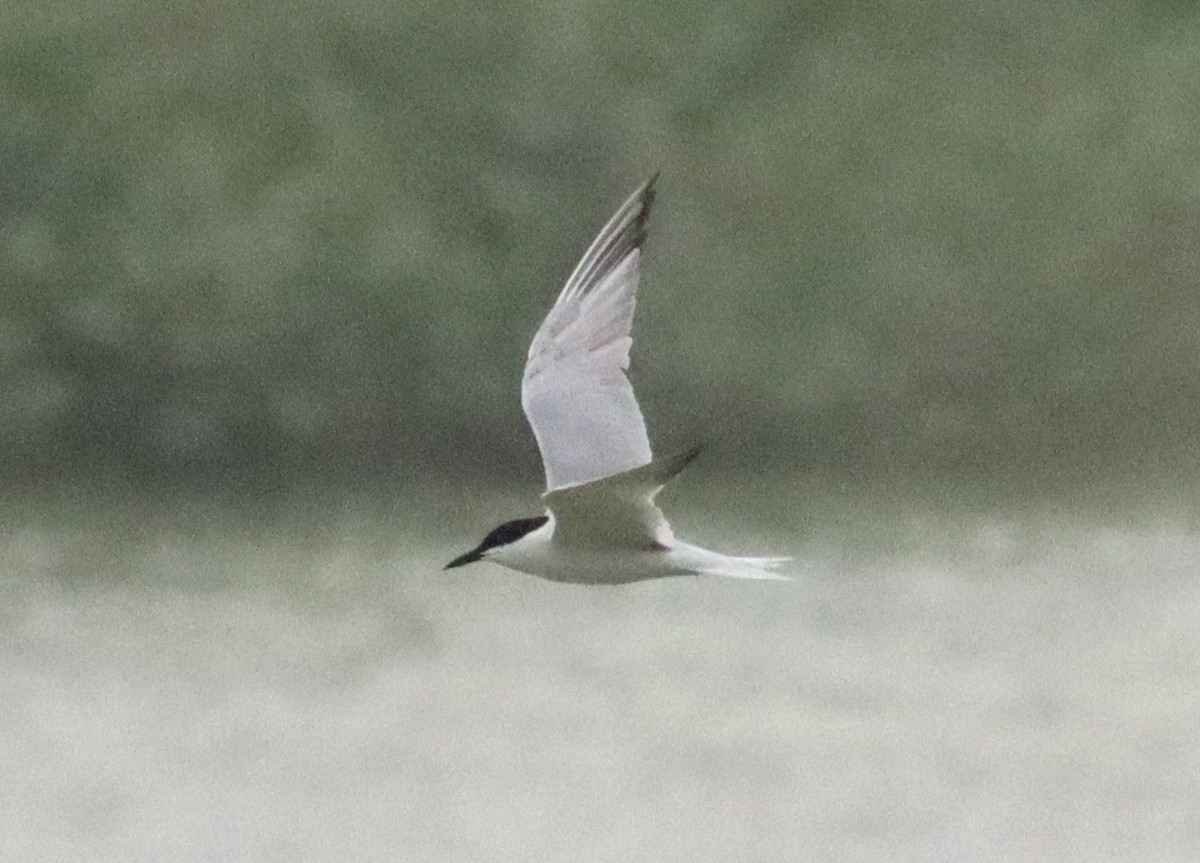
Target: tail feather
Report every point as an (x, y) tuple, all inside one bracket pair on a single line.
[(705, 562), (750, 567)]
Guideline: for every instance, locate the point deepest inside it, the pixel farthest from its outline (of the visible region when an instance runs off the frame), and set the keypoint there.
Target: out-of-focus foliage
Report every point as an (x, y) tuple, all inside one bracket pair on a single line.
[(270, 241)]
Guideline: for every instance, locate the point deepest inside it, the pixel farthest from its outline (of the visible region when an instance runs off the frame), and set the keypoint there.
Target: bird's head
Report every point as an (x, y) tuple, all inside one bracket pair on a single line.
[(504, 535)]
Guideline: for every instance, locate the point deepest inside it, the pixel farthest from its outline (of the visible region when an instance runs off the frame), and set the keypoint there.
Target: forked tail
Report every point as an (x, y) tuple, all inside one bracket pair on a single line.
[(705, 562), (751, 567)]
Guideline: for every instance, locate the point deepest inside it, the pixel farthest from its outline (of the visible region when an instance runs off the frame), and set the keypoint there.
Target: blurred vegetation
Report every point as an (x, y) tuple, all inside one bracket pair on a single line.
[(258, 243)]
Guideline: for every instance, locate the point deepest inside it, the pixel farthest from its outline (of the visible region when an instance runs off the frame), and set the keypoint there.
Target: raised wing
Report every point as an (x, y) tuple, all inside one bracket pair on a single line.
[(575, 394), (617, 511)]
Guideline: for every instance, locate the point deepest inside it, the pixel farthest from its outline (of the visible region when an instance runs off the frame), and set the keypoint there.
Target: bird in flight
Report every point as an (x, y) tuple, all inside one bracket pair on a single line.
[(601, 525)]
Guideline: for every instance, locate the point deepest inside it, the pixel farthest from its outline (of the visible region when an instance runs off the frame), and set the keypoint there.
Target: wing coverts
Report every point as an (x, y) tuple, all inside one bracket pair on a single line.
[(617, 511), (579, 402)]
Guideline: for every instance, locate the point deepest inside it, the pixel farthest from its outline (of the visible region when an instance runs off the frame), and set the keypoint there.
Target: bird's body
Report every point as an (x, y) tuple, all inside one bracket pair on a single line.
[(540, 556), (602, 525)]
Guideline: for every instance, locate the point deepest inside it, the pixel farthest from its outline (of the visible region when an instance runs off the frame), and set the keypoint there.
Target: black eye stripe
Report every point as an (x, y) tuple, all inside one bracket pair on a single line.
[(511, 531)]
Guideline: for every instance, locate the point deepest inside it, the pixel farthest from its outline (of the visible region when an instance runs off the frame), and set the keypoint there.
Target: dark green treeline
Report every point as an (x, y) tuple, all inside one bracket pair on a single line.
[(243, 240)]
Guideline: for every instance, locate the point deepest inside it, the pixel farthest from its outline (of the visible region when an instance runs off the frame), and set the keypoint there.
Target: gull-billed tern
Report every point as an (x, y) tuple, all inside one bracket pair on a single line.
[(601, 525)]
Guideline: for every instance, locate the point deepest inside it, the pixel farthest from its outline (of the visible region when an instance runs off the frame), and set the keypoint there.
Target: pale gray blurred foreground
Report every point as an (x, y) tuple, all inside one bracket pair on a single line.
[(317, 689)]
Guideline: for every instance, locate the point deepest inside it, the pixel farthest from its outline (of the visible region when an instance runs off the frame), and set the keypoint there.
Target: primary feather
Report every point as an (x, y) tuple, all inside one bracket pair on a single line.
[(576, 396)]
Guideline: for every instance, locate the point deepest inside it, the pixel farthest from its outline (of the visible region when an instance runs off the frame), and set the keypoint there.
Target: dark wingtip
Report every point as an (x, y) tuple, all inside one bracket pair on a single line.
[(624, 234), (690, 454), (648, 187), (649, 193), (646, 196), (676, 462)]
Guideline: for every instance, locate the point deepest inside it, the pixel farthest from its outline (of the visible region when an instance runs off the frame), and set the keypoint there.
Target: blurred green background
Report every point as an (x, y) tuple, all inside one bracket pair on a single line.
[(251, 246), (924, 274)]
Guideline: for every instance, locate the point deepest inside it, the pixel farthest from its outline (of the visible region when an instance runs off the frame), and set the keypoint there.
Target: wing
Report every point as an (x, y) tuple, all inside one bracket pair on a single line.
[(617, 511), (575, 394)]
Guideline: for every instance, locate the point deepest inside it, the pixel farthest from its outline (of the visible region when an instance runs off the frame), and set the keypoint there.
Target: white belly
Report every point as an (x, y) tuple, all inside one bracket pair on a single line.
[(585, 566)]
